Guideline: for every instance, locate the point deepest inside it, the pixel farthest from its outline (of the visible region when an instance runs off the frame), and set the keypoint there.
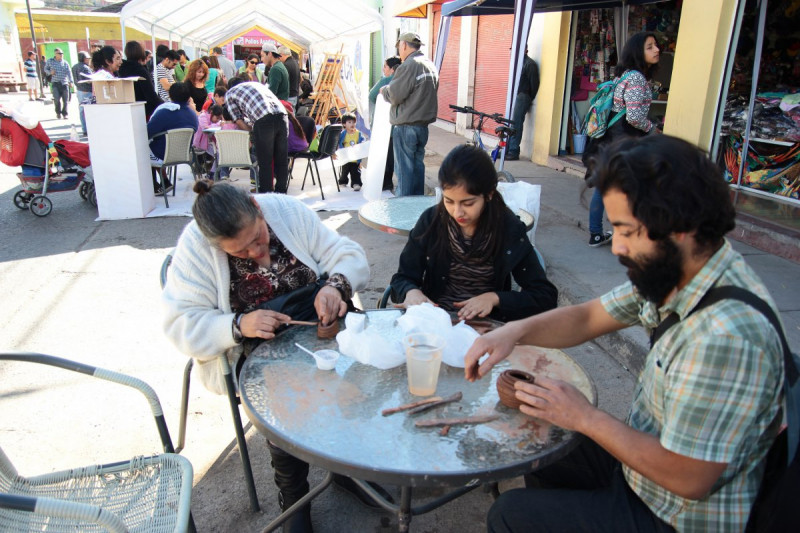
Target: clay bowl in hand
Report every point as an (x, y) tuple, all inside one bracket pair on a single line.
[(505, 386), (329, 331)]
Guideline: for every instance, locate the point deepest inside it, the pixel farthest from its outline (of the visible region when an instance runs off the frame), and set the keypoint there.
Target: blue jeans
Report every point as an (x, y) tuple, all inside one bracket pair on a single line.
[(521, 107), (60, 94), (409, 154), (596, 211), (83, 97)]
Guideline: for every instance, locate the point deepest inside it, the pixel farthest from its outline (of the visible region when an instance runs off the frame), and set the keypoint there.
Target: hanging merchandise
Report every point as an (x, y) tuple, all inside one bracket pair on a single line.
[(774, 169)]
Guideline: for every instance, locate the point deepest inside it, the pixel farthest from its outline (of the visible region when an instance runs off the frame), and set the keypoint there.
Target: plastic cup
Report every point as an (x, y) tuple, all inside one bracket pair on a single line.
[(423, 359), (326, 359)]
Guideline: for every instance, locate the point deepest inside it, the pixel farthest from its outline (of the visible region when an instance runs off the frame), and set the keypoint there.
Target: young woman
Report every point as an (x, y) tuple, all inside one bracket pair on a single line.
[(215, 76), (143, 90), (463, 252), (249, 72), (196, 76), (632, 95), (238, 253)]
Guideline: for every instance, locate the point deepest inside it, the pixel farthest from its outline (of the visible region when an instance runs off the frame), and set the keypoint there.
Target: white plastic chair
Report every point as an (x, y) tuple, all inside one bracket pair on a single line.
[(178, 151), (233, 150), (143, 494)]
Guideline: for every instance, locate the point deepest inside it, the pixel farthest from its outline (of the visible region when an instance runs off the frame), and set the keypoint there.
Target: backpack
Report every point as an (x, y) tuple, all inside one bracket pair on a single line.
[(775, 508), (596, 122)]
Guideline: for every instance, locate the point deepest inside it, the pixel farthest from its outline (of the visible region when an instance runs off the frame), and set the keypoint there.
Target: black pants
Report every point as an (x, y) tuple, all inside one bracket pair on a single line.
[(351, 169), (270, 142), (585, 491), (388, 172)]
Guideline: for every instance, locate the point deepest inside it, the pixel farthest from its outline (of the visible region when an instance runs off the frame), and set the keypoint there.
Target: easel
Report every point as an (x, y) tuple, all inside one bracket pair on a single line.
[(325, 99)]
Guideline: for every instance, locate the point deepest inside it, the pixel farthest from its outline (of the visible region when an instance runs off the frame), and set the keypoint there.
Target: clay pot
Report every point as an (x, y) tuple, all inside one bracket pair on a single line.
[(329, 331), (505, 386)]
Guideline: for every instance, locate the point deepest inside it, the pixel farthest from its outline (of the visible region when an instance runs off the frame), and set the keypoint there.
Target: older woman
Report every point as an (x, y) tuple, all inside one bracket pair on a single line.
[(196, 76), (240, 253)]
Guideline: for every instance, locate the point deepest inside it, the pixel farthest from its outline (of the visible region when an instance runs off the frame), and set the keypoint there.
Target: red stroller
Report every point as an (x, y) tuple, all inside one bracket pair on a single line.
[(46, 167)]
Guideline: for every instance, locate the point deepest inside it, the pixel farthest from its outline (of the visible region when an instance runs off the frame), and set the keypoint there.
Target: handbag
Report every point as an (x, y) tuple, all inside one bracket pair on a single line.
[(299, 303)]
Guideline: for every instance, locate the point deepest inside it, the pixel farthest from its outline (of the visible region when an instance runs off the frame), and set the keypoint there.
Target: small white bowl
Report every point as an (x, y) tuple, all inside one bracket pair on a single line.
[(326, 359)]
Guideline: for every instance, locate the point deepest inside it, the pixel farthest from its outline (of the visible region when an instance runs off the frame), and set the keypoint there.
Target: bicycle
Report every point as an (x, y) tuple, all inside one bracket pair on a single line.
[(503, 131)]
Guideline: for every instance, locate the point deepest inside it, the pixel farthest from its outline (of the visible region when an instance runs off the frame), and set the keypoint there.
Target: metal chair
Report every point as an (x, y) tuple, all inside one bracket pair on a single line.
[(143, 494), (233, 150), (177, 151), (233, 400), (328, 143)]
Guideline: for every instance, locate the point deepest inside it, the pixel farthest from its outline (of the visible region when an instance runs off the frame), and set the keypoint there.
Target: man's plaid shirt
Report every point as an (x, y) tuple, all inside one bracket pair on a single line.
[(251, 101)]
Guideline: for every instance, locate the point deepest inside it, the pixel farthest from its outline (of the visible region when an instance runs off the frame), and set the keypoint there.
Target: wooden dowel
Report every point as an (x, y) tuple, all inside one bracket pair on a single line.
[(406, 407), (437, 422), (450, 399), (302, 323)]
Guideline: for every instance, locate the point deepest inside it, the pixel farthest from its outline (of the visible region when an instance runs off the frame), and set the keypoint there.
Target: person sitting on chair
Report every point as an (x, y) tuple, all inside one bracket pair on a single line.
[(169, 116), (463, 252), (240, 255)]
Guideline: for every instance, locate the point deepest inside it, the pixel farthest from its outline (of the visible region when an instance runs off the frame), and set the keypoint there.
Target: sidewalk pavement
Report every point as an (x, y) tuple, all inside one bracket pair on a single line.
[(88, 291)]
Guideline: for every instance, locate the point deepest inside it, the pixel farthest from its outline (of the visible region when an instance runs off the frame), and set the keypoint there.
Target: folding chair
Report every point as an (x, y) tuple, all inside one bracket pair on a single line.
[(233, 400), (178, 151), (143, 494), (328, 142), (233, 150)]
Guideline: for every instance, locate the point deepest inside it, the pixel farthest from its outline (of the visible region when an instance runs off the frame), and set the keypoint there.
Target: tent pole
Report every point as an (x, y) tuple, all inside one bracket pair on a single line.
[(35, 48), (523, 15), (155, 58)]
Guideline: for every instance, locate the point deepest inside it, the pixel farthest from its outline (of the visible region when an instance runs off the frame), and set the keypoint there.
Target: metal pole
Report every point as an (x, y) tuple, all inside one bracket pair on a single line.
[(753, 91), (35, 49)]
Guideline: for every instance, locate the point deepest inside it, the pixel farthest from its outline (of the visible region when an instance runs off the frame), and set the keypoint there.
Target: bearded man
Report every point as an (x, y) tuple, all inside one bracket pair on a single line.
[(707, 406)]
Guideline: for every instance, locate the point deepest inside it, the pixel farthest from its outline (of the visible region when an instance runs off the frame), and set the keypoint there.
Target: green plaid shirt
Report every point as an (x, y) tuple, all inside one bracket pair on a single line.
[(710, 389)]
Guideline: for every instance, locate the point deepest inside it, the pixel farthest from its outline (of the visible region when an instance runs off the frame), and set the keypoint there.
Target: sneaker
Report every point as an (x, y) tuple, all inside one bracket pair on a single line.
[(159, 191), (512, 157), (599, 239), (58, 116), (356, 187)]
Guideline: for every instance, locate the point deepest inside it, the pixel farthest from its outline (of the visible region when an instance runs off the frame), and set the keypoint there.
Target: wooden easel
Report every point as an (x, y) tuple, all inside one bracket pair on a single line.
[(325, 99)]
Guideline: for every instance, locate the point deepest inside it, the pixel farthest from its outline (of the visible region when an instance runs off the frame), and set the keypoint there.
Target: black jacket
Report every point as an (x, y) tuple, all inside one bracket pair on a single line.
[(418, 269), (144, 90)]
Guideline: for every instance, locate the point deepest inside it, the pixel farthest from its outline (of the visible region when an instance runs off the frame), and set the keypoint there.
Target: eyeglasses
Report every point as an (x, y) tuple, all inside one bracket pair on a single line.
[(253, 62)]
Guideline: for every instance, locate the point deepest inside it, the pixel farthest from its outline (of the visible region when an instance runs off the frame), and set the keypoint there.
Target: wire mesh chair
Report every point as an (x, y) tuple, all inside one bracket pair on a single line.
[(144, 494), (328, 142), (233, 400), (233, 150), (177, 151)]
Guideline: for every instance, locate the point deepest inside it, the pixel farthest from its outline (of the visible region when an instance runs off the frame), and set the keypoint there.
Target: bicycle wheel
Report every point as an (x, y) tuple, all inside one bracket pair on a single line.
[(506, 176)]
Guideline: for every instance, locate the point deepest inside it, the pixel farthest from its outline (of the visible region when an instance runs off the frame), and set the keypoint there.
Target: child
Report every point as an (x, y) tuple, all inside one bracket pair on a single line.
[(350, 137), (203, 142)]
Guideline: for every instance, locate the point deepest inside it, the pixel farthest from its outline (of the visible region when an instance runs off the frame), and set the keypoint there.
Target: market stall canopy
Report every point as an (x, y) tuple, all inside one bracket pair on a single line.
[(413, 8), (209, 22), (506, 7)]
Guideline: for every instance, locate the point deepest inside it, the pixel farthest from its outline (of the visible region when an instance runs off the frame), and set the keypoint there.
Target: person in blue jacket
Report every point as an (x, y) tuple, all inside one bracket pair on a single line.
[(169, 116)]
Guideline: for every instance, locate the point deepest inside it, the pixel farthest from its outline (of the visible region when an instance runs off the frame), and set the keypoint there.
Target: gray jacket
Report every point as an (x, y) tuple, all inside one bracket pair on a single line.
[(412, 91)]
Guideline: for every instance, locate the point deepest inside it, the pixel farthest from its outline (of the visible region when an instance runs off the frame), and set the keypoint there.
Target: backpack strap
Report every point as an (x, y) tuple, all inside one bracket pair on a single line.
[(791, 386)]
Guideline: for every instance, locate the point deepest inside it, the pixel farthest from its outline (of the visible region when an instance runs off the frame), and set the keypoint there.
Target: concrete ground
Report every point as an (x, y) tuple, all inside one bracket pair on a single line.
[(89, 291)]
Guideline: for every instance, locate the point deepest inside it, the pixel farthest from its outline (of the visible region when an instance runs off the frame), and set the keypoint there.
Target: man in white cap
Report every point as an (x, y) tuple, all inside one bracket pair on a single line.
[(278, 78), (412, 94), (293, 68)]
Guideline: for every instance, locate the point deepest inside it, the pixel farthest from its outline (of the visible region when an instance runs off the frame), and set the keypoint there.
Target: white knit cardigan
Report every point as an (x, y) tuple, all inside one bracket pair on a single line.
[(196, 300)]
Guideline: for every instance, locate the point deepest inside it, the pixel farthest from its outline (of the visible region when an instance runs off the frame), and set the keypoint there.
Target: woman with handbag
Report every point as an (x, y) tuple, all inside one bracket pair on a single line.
[(632, 96), (240, 253)]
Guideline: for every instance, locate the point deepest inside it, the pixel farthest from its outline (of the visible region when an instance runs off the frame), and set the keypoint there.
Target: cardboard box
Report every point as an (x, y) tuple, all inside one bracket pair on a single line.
[(116, 91)]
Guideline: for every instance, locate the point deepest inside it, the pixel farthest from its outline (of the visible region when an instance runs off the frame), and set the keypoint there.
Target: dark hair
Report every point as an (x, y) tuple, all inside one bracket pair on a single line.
[(172, 55), (253, 56), (632, 57), (234, 81), (82, 56), (31, 54), (161, 50), (217, 50), (222, 210), (181, 52), (220, 90), (147, 53), (212, 61), (471, 167), (226, 114), (276, 55), (348, 116), (103, 57), (179, 92), (393, 62), (671, 185), (134, 51), (215, 110)]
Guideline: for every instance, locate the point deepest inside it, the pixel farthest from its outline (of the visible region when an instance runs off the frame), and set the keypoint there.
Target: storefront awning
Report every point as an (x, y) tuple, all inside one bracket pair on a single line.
[(413, 8), (465, 8)]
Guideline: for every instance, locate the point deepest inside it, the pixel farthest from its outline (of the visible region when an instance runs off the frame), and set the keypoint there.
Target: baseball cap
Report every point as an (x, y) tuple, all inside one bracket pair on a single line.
[(57, 51), (269, 47), (410, 37), (284, 51)]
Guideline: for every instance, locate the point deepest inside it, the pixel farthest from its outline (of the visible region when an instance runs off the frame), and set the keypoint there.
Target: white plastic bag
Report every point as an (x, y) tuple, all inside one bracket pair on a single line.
[(522, 195), (376, 344)]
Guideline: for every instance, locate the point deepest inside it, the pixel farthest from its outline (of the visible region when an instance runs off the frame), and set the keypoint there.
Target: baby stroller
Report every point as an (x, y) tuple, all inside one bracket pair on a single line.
[(46, 167)]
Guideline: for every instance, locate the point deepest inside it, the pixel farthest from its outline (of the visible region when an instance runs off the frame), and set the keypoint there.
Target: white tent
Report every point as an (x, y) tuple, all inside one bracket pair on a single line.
[(204, 23)]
